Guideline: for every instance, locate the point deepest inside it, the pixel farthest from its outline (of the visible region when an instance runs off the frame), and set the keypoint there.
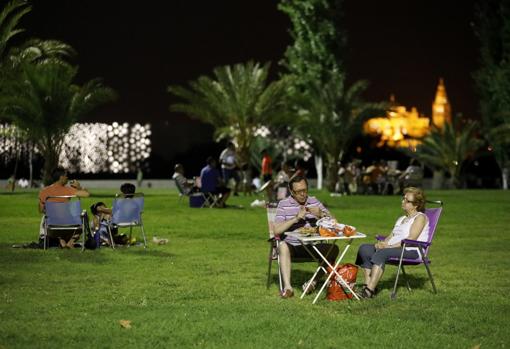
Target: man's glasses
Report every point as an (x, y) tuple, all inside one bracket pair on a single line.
[(300, 192)]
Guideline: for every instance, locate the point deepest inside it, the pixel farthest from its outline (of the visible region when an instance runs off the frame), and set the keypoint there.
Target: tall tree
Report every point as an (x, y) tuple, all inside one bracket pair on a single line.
[(493, 77), (45, 102), (236, 101), (448, 148), (330, 112)]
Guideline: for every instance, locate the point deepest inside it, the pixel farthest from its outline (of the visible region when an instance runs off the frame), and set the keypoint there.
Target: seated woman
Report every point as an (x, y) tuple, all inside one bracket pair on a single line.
[(413, 225)]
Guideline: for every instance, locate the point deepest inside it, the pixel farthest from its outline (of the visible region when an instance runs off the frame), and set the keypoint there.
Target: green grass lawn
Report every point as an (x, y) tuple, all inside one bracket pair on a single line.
[(206, 287)]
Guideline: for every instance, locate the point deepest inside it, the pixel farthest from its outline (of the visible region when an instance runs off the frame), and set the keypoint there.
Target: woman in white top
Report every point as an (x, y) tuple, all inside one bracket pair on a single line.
[(413, 225)]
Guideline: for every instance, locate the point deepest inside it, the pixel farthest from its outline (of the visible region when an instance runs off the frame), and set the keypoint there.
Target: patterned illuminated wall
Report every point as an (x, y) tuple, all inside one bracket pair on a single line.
[(91, 147)]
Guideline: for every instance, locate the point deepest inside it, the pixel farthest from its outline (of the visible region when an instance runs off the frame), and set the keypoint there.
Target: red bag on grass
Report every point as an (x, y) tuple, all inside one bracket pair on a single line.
[(336, 291)]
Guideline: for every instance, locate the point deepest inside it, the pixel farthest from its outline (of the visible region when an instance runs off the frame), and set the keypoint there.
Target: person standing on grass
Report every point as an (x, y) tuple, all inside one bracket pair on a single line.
[(413, 225), (60, 188), (266, 172), (229, 166), (297, 211)]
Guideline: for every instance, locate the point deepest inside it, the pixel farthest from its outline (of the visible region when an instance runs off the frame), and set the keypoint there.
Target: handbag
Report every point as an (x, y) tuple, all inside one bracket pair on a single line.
[(336, 291)]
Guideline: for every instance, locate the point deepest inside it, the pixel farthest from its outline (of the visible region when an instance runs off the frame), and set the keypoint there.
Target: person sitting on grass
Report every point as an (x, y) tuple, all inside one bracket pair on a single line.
[(297, 211), (66, 238), (413, 225)]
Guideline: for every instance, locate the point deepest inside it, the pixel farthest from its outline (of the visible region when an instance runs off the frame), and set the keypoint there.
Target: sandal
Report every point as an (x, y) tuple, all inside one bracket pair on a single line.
[(311, 286), (367, 293), (287, 293)]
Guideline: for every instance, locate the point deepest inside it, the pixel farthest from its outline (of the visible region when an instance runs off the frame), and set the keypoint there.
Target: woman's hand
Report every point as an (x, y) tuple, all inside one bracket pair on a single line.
[(381, 245)]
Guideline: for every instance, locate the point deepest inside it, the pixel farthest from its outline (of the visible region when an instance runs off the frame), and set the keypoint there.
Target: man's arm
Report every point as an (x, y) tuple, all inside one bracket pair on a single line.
[(282, 227), (80, 191)]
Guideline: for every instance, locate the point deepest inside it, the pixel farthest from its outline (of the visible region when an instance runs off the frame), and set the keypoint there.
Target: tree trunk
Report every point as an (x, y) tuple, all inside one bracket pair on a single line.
[(437, 179), (30, 165), (332, 175), (504, 177), (50, 163), (318, 168)]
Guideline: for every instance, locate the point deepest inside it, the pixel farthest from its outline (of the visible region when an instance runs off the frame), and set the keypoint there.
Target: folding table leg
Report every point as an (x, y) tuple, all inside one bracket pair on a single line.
[(339, 260)]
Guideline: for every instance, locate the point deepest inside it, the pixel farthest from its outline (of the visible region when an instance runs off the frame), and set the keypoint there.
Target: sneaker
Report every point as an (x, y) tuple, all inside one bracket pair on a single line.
[(311, 288), (288, 293)]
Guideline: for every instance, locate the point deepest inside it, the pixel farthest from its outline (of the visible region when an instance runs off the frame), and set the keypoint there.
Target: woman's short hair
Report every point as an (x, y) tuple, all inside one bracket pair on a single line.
[(418, 197)]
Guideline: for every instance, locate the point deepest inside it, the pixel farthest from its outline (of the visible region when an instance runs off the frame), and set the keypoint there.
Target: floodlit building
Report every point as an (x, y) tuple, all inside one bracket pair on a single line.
[(402, 128)]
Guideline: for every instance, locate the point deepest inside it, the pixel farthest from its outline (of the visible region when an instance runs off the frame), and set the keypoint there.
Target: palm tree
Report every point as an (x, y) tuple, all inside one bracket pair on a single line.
[(9, 20), (236, 101), (448, 148), (45, 103), (332, 115)]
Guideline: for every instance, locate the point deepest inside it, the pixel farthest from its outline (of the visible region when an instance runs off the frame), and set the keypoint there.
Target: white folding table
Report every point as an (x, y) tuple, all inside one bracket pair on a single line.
[(307, 241)]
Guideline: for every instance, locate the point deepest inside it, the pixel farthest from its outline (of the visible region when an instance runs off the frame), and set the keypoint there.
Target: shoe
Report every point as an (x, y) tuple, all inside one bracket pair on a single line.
[(367, 293), (287, 294), (311, 288)]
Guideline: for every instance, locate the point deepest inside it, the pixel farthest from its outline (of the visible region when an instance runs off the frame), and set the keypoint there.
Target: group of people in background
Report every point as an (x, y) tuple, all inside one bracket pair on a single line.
[(377, 178), (225, 176)]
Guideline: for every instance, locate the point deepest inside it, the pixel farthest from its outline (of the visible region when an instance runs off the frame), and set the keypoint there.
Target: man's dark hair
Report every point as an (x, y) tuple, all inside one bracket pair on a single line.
[(210, 161), (94, 207), (295, 180), (128, 189), (57, 173)]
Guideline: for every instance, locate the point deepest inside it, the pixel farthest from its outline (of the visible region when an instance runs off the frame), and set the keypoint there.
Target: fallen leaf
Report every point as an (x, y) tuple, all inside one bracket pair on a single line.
[(125, 323)]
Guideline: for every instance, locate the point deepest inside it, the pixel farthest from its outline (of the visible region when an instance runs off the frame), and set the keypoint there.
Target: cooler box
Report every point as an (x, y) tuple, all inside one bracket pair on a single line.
[(196, 200)]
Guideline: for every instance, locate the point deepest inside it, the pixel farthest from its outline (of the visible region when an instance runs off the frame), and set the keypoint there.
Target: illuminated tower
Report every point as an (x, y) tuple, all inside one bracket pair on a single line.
[(441, 111)]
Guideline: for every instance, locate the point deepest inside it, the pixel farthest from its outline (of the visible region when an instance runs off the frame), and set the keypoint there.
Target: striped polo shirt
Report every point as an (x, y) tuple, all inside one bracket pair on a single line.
[(288, 209)]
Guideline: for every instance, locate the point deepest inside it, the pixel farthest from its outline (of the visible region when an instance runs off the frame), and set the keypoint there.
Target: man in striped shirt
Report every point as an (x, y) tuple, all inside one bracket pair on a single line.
[(298, 210)]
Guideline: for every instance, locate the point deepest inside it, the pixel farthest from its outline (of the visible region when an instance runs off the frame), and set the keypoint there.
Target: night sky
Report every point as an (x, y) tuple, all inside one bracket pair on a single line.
[(139, 48)]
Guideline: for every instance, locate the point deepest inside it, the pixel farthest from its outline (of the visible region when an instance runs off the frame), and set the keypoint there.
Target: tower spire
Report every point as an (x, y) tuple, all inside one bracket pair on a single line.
[(441, 109)]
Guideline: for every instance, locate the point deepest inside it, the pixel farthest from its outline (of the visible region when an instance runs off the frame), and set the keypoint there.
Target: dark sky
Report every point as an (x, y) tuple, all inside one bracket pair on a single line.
[(141, 47)]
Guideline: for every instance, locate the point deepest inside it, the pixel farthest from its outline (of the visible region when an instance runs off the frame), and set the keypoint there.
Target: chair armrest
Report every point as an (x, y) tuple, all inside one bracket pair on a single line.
[(274, 238), (409, 242), (380, 237)]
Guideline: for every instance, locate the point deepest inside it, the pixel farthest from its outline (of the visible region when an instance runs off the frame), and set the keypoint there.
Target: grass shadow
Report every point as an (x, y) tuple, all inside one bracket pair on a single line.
[(148, 252)]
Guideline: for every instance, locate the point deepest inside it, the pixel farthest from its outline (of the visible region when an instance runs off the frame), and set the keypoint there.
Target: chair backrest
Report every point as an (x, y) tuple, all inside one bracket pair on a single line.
[(433, 215), (127, 210), (271, 215), (179, 188), (62, 212)]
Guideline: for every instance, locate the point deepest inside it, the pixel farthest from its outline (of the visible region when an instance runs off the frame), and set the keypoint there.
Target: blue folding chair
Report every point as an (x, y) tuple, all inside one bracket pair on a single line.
[(64, 216), (127, 212)]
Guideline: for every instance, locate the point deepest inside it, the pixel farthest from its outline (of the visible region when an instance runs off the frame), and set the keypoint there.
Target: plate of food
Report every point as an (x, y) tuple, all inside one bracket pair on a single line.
[(307, 231)]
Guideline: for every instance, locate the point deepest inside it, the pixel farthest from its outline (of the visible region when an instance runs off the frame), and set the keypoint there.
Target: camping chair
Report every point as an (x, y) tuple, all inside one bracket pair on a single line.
[(211, 200), (65, 215), (197, 198), (433, 215), (127, 212), (274, 243)]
